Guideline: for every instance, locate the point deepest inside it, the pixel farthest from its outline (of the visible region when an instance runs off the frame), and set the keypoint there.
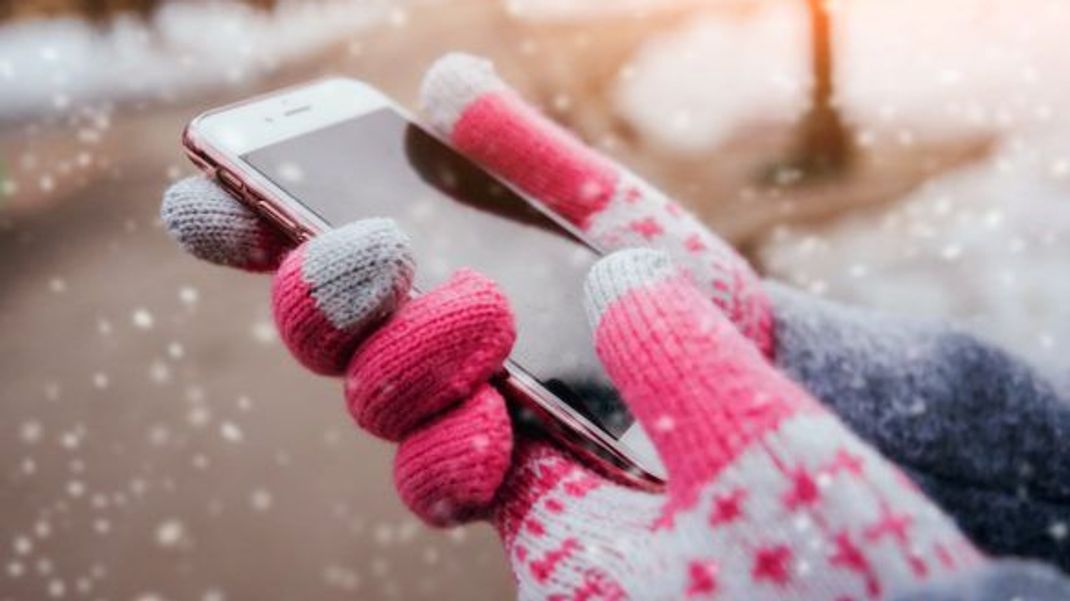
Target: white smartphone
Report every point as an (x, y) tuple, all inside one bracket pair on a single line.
[(334, 151)]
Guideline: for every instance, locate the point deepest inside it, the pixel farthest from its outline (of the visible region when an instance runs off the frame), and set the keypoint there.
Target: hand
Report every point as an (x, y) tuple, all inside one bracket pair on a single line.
[(450, 419), (767, 492), (979, 430), (466, 102)]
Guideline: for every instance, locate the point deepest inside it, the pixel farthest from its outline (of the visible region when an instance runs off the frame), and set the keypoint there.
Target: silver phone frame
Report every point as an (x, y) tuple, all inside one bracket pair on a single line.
[(565, 423)]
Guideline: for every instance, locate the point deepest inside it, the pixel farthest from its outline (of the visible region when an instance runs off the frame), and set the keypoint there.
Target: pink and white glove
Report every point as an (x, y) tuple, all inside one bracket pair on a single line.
[(769, 496), (467, 103)]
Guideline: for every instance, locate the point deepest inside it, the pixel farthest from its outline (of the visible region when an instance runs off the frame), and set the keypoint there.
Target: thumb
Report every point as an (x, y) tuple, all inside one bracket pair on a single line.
[(702, 392)]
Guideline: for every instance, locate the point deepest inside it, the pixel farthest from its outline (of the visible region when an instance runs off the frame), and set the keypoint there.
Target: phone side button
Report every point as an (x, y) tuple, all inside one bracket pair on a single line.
[(275, 215), (230, 181)]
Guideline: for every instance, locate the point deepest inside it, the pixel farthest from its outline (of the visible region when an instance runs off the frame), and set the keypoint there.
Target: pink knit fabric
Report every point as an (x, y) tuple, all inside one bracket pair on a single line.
[(435, 352), (450, 470), (302, 325), (769, 496), (697, 440), (571, 180), (332, 291), (610, 204)]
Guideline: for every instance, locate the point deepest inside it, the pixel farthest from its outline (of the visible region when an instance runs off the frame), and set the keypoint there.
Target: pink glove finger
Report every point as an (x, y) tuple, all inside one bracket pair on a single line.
[(700, 390), (749, 449), (449, 470), (434, 352), (211, 225), (467, 102), (333, 289)]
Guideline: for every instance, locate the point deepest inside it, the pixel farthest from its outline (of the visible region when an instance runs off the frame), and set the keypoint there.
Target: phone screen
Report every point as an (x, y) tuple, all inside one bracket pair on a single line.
[(457, 215)]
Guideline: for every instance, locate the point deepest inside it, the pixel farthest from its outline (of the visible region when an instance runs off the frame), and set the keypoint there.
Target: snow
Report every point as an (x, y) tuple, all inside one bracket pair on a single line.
[(52, 65), (751, 68), (142, 319), (170, 533), (985, 244), (231, 432), (579, 10)]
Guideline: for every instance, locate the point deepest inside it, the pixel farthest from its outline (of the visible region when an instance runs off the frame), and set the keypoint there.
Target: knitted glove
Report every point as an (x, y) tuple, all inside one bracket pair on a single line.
[(978, 429), (769, 496), (457, 424)]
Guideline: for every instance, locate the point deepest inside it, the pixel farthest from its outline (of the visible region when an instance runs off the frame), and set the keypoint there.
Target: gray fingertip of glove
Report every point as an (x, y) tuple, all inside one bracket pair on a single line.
[(359, 272), (451, 84), (211, 225), (617, 274)]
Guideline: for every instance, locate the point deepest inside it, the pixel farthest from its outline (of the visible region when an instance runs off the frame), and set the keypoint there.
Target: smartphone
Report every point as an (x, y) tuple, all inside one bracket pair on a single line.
[(334, 151)]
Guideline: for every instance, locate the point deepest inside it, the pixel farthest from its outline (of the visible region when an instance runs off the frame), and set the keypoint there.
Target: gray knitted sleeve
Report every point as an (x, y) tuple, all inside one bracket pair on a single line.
[(983, 433)]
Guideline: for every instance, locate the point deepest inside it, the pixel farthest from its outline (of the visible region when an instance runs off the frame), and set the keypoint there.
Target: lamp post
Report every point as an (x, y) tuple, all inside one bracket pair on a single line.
[(823, 146)]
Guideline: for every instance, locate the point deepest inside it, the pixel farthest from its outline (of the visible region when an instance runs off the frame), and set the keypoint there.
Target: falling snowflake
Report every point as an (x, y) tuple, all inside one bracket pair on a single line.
[(70, 439), (231, 432), (260, 500), (176, 351), (198, 416), (1059, 530), (188, 295), (22, 545), (263, 332), (142, 319), (291, 173), (100, 380), (159, 435), (76, 488), (159, 372), (665, 423), (170, 533), (30, 431), (341, 577)]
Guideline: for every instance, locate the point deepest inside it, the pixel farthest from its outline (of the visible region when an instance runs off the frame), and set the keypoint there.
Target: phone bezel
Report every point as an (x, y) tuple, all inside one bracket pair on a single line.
[(337, 99)]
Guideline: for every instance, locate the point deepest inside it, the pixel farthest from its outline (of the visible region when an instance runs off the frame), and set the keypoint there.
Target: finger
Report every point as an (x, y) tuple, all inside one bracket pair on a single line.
[(468, 103), (333, 289), (434, 352), (701, 392), (748, 450), (211, 225), (449, 470)]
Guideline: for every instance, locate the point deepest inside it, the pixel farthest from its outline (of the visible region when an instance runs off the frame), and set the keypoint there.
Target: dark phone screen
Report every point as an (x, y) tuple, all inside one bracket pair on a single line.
[(457, 215)]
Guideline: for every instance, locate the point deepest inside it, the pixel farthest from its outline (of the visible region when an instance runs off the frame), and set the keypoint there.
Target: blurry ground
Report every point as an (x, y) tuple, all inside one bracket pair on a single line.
[(156, 442)]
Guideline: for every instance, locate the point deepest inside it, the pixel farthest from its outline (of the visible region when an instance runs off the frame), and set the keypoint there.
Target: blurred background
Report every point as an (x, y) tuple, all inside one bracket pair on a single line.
[(156, 443)]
